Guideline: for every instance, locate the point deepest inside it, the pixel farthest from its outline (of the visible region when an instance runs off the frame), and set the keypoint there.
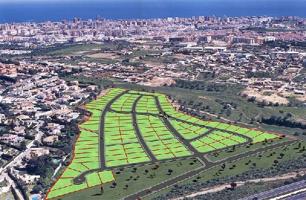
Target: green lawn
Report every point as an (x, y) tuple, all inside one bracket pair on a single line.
[(160, 140), (188, 131), (216, 140)]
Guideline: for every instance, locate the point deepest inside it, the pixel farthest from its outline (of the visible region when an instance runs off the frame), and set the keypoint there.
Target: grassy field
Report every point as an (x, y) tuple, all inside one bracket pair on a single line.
[(217, 140), (226, 153), (263, 161)]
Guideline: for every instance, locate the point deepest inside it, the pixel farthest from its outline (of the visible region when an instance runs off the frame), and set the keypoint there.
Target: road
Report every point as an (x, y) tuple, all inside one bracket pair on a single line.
[(19, 157), (221, 187), (13, 184), (298, 196), (101, 129), (138, 134)]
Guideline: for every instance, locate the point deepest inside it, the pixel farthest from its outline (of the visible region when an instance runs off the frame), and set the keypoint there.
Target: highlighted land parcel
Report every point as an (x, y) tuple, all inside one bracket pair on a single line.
[(128, 128)]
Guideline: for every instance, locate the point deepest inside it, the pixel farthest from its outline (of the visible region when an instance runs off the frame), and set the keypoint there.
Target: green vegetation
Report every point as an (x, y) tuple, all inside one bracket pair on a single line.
[(133, 179), (267, 164), (125, 103), (236, 150)]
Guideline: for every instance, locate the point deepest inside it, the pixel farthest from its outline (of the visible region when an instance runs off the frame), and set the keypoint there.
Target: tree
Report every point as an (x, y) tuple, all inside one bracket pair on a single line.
[(114, 184), (223, 166), (42, 166), (23, 145), (37, 188), (233, 185)]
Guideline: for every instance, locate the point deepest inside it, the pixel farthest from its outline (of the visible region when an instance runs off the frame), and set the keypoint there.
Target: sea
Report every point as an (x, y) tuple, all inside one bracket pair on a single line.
[(56, 10)]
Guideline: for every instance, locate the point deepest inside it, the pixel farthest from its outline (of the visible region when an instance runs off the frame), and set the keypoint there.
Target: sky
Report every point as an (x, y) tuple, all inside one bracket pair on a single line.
[(14, 1)]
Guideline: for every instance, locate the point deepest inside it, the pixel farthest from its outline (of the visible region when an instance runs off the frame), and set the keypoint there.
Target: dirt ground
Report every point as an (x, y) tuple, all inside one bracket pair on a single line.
[(260, 97), (157, 81), (103, 55)]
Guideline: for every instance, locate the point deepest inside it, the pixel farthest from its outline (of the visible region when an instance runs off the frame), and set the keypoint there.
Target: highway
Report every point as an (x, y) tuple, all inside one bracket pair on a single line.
[(299, 196), (277, 192)]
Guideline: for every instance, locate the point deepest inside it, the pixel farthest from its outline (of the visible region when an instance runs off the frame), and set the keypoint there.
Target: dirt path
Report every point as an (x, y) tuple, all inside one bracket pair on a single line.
[(103, 92)]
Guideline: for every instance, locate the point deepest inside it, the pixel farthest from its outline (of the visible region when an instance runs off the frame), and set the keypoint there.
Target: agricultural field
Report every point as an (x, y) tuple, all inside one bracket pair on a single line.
[(130, 129)]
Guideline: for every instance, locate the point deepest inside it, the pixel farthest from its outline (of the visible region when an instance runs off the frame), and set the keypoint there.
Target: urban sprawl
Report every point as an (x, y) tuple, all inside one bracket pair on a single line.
[(49, 70)]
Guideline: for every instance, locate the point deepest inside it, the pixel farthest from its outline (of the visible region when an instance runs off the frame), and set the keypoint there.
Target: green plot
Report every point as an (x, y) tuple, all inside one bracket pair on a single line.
[(213, 124), (264, 136), (159, 139), (124, 103), (93, 179), (255, 135), (147, 104), (232, 128), (106, 176), (65, 190), (125, 154), (92, 165), (216, 140), (223, 126), (70, 173), (188, 131), (93, 126), (62, 183)]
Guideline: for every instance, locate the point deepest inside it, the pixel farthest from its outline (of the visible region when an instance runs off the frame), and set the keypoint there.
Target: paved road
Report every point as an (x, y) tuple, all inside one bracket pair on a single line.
[(101, 128), (278, 191), (299, 196), (19, 157)]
